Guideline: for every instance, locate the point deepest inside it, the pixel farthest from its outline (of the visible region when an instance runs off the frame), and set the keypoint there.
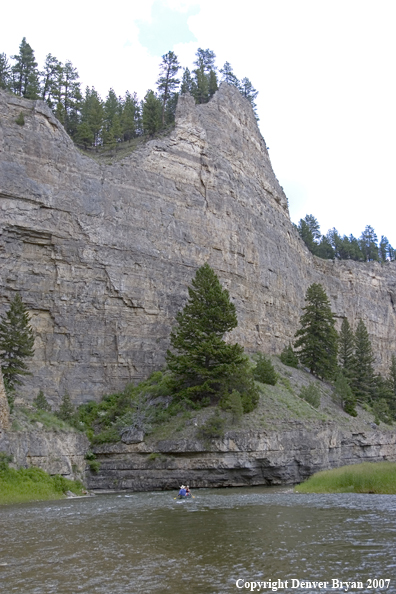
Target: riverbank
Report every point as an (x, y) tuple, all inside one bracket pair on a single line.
[(33, 484), (379, 478)]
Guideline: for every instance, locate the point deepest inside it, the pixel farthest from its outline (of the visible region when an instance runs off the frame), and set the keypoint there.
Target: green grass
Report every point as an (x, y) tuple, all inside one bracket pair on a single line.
[(26, 419), (33, 484), (368, 477)]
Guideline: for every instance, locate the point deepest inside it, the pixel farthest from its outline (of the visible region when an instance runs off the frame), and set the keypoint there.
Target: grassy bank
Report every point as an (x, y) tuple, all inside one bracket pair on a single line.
[(32, 484), (368, 477)]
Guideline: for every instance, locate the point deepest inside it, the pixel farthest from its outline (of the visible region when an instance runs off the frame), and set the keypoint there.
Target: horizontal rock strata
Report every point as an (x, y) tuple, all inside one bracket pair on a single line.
[(240, 459), (56, 453)]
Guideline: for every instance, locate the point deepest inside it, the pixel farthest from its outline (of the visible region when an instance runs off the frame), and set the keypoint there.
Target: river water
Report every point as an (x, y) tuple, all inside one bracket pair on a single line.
[(142, 543)]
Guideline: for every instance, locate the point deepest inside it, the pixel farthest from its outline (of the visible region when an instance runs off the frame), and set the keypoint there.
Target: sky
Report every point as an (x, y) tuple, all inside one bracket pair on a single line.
[(324, 69)]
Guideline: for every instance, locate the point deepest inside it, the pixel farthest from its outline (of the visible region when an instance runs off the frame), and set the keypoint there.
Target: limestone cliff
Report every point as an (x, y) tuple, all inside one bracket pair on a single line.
[(103, 254)]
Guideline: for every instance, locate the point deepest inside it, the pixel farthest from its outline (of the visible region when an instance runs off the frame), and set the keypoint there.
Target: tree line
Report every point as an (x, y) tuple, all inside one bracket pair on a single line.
[(347, 358), (90, 120), (332, 246)]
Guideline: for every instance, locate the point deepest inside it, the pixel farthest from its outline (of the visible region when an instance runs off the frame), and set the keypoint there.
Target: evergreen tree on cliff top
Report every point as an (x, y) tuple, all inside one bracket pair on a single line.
[(317, 338), (16, 343), (204, 366)]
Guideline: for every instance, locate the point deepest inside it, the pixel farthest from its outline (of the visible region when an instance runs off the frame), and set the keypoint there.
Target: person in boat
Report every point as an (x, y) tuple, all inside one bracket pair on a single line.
[(182, 492), (188, 492)]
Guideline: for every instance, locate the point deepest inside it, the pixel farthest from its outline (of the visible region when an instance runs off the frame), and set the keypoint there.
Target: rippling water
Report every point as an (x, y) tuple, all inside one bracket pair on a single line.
[(142, 543)]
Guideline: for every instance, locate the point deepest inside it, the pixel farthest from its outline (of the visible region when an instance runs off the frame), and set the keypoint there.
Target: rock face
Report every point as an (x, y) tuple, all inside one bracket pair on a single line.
[(102, 254), (4, 408), (240, 459), (56, 453)]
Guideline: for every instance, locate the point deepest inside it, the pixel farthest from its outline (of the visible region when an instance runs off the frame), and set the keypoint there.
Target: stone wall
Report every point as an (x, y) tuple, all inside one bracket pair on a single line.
[(102, 254), (240, 459)]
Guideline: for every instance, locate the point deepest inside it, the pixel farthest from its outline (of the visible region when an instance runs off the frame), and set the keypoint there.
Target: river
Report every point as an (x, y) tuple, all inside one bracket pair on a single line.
[(218, 543)]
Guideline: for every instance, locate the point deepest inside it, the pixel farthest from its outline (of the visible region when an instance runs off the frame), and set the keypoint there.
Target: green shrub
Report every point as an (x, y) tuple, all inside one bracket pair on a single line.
[(31, 484), (94, 465), (213, 428), (381, 412), (344, 395), (5, 459), (20, 119), (66, 410), (41, 403), (311, 394), (264, 371), (233, 403), (289, 357)]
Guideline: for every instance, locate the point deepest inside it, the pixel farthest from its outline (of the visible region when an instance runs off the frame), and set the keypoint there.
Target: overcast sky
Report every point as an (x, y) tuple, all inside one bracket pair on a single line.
[(324, 69)]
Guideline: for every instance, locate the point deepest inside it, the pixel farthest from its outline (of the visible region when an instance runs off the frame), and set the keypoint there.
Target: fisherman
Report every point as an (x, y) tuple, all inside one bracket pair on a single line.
[(182, 492)]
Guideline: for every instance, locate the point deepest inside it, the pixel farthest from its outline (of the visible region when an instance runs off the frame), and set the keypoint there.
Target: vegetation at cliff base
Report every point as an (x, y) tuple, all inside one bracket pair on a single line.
[(368, 477), (317, 339), (32, 484), (204, 367)]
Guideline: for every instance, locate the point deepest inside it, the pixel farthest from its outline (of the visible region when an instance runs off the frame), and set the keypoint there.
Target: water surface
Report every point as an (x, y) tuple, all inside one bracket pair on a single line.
[(142, 543)]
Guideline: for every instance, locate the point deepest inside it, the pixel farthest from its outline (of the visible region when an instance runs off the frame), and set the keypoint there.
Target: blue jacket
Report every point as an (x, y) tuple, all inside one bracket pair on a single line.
[(182, 492)]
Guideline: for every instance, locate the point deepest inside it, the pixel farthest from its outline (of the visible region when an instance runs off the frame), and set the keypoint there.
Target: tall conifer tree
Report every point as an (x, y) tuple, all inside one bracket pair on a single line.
[(202, 363), (317, 338), (167, 82), (346, 349), (363, 383), (16, 343)]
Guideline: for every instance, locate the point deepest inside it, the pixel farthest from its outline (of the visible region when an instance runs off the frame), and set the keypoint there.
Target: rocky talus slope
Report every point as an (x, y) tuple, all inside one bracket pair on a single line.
[(103, 254)]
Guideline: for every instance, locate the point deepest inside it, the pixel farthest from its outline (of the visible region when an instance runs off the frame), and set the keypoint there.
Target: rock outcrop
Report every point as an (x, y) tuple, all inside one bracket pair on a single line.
[(4, 407), (102, 254), (240, 459), (56, 453)]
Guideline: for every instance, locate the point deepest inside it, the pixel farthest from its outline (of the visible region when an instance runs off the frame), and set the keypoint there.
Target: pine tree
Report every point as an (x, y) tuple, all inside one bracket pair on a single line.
[(212, 83), (112, 108), (309, 231), (167, 82), (50, 79), (368, 244), (204, 366), (16, 343), (346, 349), (152, 108), (264, 371), (228, 75), (129, 116), (289, 357), (247, 90), (317, 337), (363, 383), (68, 97), (187, 83), (5, 72), (41, 403), (92, 114), (66, 410), (345, 395), (384, 249), (391, 383), (25, 74), (205, 64)]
